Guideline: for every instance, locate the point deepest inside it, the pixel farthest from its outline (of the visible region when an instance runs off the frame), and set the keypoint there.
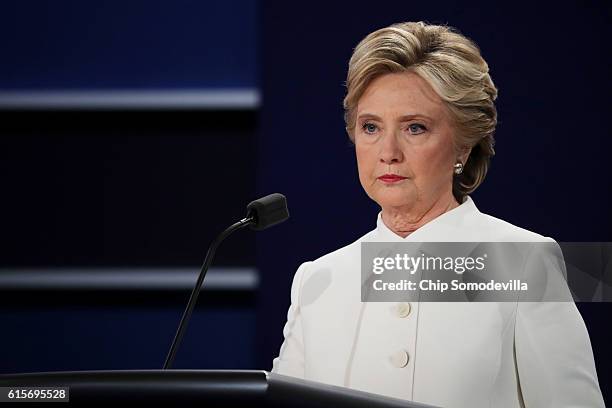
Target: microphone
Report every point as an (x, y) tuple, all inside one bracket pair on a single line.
[(267, 211), (261, 214)]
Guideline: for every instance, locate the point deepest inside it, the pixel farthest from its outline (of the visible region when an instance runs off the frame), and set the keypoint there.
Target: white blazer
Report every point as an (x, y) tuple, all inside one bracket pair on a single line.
[(447, 354)]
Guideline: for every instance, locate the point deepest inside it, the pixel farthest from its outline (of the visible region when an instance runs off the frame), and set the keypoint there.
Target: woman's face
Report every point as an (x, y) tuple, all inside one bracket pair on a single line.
[(403, 128)]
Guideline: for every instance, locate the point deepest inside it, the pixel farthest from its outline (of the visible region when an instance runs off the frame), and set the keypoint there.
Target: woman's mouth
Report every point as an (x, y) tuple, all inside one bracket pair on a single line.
[(391, 178)]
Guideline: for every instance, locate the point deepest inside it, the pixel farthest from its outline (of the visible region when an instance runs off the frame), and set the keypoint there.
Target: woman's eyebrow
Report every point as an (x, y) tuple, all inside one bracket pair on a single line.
[(367, 115)]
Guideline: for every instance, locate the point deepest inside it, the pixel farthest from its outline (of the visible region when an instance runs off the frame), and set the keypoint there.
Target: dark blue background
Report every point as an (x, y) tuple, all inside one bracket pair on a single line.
[(551, 173), (134, 44)]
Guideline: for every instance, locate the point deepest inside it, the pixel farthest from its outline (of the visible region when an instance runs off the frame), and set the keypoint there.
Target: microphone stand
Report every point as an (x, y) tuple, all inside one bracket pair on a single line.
[(196, 290)]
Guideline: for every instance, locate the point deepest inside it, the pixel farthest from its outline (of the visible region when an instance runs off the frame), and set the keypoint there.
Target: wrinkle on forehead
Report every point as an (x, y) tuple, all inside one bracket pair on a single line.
[(416, 96)]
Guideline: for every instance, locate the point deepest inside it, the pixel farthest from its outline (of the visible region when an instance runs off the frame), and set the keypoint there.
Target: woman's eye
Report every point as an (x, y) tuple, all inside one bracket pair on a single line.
[(369, 127), (414, 128)]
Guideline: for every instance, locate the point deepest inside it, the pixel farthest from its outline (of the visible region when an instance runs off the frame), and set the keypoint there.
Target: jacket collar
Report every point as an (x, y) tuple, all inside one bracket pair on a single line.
[(445, 225)]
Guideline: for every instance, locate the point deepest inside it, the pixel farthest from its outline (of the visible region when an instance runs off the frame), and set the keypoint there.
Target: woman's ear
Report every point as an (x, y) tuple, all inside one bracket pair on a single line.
[(464, 154)]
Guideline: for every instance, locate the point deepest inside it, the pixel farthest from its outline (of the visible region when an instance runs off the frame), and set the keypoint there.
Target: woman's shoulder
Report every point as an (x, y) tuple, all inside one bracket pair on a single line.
[(497, 229)]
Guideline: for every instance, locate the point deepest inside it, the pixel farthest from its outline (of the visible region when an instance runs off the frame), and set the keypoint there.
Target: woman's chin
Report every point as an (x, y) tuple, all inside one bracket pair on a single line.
[(395, 199)]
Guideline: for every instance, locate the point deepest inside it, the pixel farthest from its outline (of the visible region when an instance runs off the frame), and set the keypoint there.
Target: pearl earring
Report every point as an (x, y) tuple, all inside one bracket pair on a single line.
[(458, 168)]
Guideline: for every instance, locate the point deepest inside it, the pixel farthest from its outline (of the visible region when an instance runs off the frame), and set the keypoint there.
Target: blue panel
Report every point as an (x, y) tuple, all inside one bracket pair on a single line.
[(113, 338), (128, 44)]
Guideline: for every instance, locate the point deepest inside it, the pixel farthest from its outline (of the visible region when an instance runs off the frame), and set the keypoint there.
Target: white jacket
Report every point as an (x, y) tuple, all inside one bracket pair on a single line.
[(447, 354)]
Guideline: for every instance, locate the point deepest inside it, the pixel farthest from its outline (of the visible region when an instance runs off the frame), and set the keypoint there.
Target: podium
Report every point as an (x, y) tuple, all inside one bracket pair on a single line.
[(224, 388)]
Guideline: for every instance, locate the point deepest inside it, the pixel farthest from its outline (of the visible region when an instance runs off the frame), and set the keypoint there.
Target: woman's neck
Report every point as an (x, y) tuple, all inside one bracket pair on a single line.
[(404, 222)]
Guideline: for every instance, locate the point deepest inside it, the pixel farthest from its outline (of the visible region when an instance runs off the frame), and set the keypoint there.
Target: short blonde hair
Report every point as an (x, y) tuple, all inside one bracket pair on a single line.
[(452, 65)]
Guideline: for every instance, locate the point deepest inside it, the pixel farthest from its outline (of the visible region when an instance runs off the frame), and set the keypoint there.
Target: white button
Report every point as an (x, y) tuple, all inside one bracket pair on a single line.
[(399, 359), (403, 309)]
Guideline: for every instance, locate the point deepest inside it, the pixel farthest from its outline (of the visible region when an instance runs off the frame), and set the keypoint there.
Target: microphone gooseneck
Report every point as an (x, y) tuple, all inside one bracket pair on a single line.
[(261, 214)]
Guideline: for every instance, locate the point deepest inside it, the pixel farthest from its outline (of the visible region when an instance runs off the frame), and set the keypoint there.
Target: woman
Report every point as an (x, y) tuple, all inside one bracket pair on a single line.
[(420, 110)]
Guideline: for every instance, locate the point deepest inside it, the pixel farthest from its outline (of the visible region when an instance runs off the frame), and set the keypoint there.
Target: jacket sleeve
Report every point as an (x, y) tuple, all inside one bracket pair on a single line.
[(290, 360), (554, 357)]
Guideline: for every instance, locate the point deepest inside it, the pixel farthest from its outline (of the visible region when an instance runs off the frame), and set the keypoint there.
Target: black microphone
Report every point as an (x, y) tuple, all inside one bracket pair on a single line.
[(268, 211), (261, 214)]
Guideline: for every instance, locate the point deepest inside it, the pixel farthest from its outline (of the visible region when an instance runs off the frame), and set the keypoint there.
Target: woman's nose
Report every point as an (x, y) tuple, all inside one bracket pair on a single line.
[(390, 150)]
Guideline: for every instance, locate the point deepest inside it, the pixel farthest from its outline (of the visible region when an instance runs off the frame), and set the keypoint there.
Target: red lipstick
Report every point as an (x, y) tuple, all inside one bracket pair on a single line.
[(391, 178)]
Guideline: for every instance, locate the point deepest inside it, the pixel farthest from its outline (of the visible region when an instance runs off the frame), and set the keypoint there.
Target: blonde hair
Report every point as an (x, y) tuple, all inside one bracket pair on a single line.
[(452, 65)]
